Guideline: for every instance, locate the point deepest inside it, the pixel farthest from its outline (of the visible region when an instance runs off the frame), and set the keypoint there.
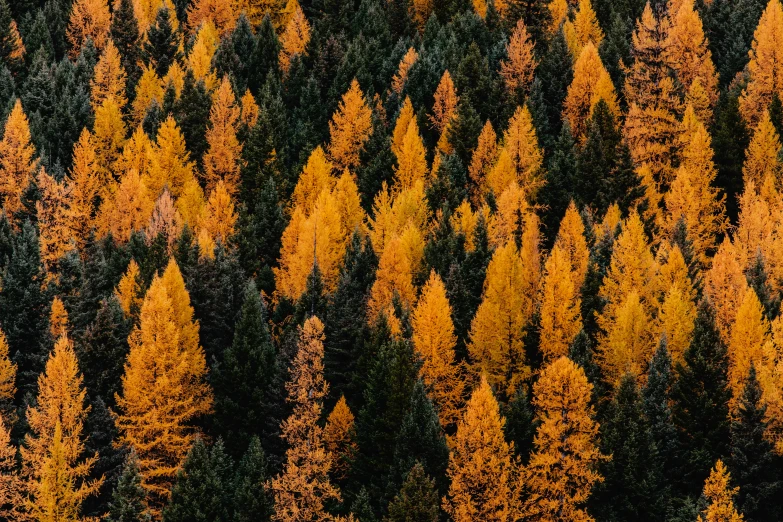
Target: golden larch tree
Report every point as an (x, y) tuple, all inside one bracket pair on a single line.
[(199, 60), (51, 208), (150, 87), (316, 177), (562, 469), (692, 196), (765, 67), (411, 158), (57, 431), (222, 14), (676, 321), (128, 209), (720, 496), (393, 278), (629, 343), (497, 331), (58, 318), (520, 63), (406, 116), (338, 437), (689, 54), (129, 291), (590, 85), (584, 28), (221, 161), (109, 78), (482, 468), (171, 165), (571, 239), (12, 501), (350, 128), (560, 306), (521, 144), (483, 158), (303, 487), (749, 335), (725, 285), (17, 163), (219, 215), (401, 76), (84, 185), (89, 20), (109, 133), (294, 39), (434, 341), (761, 157), (7, 379), (164, 387), (445, 107)]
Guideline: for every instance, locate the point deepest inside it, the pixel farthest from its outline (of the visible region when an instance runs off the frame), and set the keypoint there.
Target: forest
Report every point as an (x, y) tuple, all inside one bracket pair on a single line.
[(391, 260)]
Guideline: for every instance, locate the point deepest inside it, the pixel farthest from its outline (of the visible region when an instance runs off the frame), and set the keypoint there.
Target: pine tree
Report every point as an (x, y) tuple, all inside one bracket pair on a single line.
[(90, 20), (752, 460), (252, 497), (163, 378), (350, 128), (53, 451), (17, 165), (720, 496), (483, 472), (417, 500), (204, 485), (434, 340), (129, 497), (248, 380), (562, 470), (763, 81), (303, 488)]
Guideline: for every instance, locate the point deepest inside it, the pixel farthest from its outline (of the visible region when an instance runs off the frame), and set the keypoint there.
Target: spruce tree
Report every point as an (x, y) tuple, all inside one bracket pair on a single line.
[(417, 500), (129, 498), (125, 35), (161, 49), (252, 501), (700, 399), (248, 381), (521, 424), (263, 61), (754, 466), (191, 111)]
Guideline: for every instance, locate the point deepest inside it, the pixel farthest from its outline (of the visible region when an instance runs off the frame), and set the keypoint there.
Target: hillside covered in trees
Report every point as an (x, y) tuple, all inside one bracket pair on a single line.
[(391, 260)]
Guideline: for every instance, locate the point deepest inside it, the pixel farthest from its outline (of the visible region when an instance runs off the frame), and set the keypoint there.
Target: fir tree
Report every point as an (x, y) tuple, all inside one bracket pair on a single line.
[(417, 500), (129, 498), (264, 59), (252, 499), (160, 49), (125, 35)]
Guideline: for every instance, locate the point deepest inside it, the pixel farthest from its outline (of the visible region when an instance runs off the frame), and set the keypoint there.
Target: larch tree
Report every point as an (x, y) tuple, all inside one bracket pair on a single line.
[(482, 468), (51, 208), (692, 196), (560, 315), (7, 383), (393, 280), (221, 162), (765, 76), (482, 159), (411, 158), (219, 215), (303, 488), (12, 500), (406, 116), (689, 54), (127, 210), (720, 497), (749, 336), (171, 165), (444, 109), (590, 85), (109, 134), (109, 78), (17, 163), (339, 435), (55, 443), (762, 157), (222, 14), (401, 76), (350, 128), (149, 88), (497, 330), (571, 239), (129, 291), (84, 186), (563, 468), (294, 39), (89, 20), (434, 341), (651, 127), (725, 285), (526, 158), (58, 319), (583, 29), (163, 388)]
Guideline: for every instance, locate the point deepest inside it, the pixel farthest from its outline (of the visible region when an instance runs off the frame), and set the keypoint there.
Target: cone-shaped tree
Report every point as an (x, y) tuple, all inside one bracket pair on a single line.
[(16, 159), (560, 305), (129, 498), (12, 500), (417, 500), (350, 128), (720, 497), (590, 85), (764, 66), (221, 162)]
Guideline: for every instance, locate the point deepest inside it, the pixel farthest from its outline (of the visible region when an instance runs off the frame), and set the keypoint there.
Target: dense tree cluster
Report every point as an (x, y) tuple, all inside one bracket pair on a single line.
[(375, 260)]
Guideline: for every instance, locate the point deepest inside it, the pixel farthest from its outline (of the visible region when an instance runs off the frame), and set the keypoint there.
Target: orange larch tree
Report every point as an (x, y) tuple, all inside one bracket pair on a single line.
[(57, 420), (562, 470), (560, 306), (109, 78), (51, 208), (303, 487), (394, 278), (128, 209), (725, 285), (294, 39), (149, 87), (484, 156), (350, 128), (219, 215), (12, 500), (749, 336), (521, 144), (583, 29), (7, 383), (764, 68), (591, 84), (720, 497), (571, 239), (445, 107), (411, 158), (58, 319), (17, 163), (520, 63), (401, 76), (221, 161), (129, 291), (762, 157), (171, 165), (338, 437), (84, 185), (163, 388), (482, 469), (90, 19), (222, 15), (434, 341), (406, 116)]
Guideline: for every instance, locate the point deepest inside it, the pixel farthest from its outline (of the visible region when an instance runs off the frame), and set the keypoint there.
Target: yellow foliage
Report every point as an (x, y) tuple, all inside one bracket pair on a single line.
[(16, 159), (219, 216), (89, 20), (222, 14), (761, 158), (560, 306), (483, 158), (171, 166), (350, 128), (83, 188), (391, 215), (109, 136), (676, 321), (394, 277), (765, 66), (629, 342), (128, 209), (590, 85), (200, 57), (12, 501), (508, 222), (109, 78), (136, 154), (294, 39), (571, 239), (749, 335), (725, 285), (406, 116), (411, 159), (221, 161), (54, 235), (129, 291), (338, 437), (401, 76), (314, 179), (583, 29), (58, 319), (150, 87), (521, 144), (446, 99), (720, 495)]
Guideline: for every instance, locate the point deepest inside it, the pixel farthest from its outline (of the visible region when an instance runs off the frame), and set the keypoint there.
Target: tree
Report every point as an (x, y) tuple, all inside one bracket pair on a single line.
[(483, 472), (161, 47), (171, 166), (7, 383), (496, 332), (17, 165), (294, 39), (482, 159), (591, 84), (12, 501), (434, 340), (163, 380), (222, 15), (411, 156), (129, 498), (350, 128), (90, 20), (204, 486), (720, 496), (763, 69), (417, 500), (12, 49), (749, 335), (124, 32), (444, 109), (252, 498), (248, 380), (53, 453), (221, 162), (583, 29), (303, 487), (752, 460), (401, 76), (84, 185), (563, 468), (109, 78), (560, 304), (761, 161), (339, 434)]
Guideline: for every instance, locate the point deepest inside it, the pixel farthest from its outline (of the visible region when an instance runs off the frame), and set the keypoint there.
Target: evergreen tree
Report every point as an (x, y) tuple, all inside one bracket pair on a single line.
[(731, 140), (204, 486), (248, 381), (191, 111), (252, 499), (233, 56), (753, 464), (264, 60), (102, 434), (160, 48), (128, 500), (521, 424), (417, 500), (700, 403), (125, 35)]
